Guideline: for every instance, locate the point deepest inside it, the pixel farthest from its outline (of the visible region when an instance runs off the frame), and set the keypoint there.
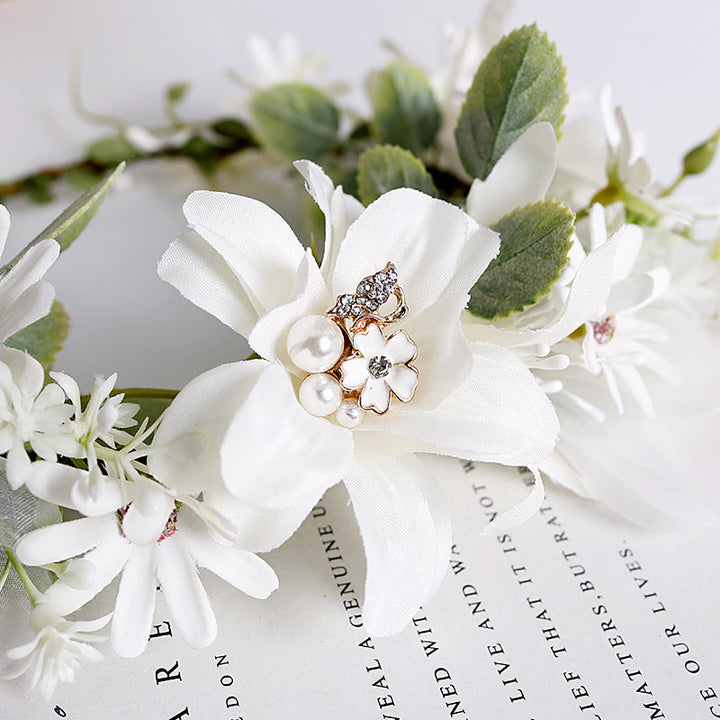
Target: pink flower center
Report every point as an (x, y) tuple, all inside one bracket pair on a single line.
[(603, 330), (170, 526)]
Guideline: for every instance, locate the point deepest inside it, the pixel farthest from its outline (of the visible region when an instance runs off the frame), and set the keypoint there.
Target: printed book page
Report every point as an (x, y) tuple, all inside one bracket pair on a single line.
[(576, 614)]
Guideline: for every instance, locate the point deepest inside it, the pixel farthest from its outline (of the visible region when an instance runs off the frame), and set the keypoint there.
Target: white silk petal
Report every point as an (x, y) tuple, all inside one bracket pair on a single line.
[(27, 372), (192, 266), (185, 595), (405, 530), (33, 304), (354, 373), (629, 243), (444, 358), (371, 342), (309, 297), (630, 293), (520, 177), (4, 226), (108, 560), (135, 603), (400, 348), (402, 380), (242, 569), (375, 395), (28, 270), (435, 246), (274, 452), (499, 414), (195, 424), (521, 512), (255, 242), (54, 543), (146, 529)]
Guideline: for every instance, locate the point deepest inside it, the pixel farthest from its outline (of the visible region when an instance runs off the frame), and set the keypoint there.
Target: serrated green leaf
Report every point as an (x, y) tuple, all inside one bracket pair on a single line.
[(153, 402), (295, 121), (519, 83), (406, 111), (386, 167), (72, 221), (534, 243), (44, 338), (111, 151)]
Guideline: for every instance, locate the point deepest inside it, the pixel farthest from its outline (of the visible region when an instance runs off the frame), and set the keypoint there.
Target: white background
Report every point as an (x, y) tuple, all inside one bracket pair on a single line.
[(662, 58)]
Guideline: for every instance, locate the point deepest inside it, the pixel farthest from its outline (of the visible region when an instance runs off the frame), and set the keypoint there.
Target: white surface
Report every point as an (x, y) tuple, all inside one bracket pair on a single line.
[(662, 59)]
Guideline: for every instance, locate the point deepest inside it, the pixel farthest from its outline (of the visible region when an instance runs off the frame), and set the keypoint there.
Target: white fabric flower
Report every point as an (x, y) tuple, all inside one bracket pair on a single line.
[(24, 296), (29, 413), (56, 649), (242, 263)]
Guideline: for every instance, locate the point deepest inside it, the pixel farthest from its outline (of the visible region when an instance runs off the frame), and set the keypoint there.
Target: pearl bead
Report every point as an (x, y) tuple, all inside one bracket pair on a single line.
[(320, 394), (349, 414), (315, 343)]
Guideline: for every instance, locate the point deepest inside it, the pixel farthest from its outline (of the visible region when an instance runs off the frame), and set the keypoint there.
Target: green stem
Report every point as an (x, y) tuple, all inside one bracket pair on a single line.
[(5, 573), (672, 188), (33, 593)]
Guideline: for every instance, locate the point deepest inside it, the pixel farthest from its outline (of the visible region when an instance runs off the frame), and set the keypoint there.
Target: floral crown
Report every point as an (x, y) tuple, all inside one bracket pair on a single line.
[(474, 287)]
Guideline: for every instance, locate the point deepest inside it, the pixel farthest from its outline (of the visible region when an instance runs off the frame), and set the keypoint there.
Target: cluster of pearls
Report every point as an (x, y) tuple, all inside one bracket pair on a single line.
[(316, 345)]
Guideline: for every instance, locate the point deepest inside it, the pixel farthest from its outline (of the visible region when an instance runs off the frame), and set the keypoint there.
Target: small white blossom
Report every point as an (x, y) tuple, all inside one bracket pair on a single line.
[(56, 650)]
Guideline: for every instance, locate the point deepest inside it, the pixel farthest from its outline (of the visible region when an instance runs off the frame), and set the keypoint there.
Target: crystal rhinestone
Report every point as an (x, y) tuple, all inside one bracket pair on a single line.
[(357, 308), (371, 304), (392, 275), (379, 277), (379, 366), (363, 288)]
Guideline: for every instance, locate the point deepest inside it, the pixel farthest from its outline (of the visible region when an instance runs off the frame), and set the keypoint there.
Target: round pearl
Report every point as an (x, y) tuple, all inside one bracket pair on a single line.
[(320, 394), (315, 343), (349, 414)]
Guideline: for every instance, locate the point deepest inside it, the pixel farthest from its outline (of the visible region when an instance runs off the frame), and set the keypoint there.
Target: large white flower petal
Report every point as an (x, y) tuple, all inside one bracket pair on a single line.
[(242, 569), (499, 414), (261, 529), (33, 304), (308, 297), (54, 543), (4, 227), (520, 177), (185, 595), (108, 558), (135, 603), (199, 272), (28, 270), (444, 359), (436, 247), (143, 529), (257, 244), (629, 243), (27, 372), (189, 436), (405, 530), (274, 452)]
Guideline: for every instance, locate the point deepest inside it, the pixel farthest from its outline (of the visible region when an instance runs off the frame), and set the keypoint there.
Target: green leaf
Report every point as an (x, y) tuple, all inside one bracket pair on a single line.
[(406, 111), (534, 243), (72, 221), (232, 128), (175, 93), (520, 82), (111, 151), (699, 158), (37, 189), (82, 177), (386, 167), (44, 338), (295, 121), (153, 402)]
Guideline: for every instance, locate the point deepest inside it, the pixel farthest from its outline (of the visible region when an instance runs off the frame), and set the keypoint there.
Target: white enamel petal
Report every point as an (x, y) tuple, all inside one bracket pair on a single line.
[(375, 395), (195, 268), (185, 595), (436, 247), (242, 569), (257, 244), (402, 380), (405, 530), (135, 603), (371, 342), (274, 452), (499, 414), (400, 348), (520, 177), (443, 358), (309, 297), (193, 427), (108, 560), (54, 543), (354, 373)]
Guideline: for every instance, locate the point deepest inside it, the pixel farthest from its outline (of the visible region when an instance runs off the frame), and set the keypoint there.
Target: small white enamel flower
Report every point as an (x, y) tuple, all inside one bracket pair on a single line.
[(380, 366)]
